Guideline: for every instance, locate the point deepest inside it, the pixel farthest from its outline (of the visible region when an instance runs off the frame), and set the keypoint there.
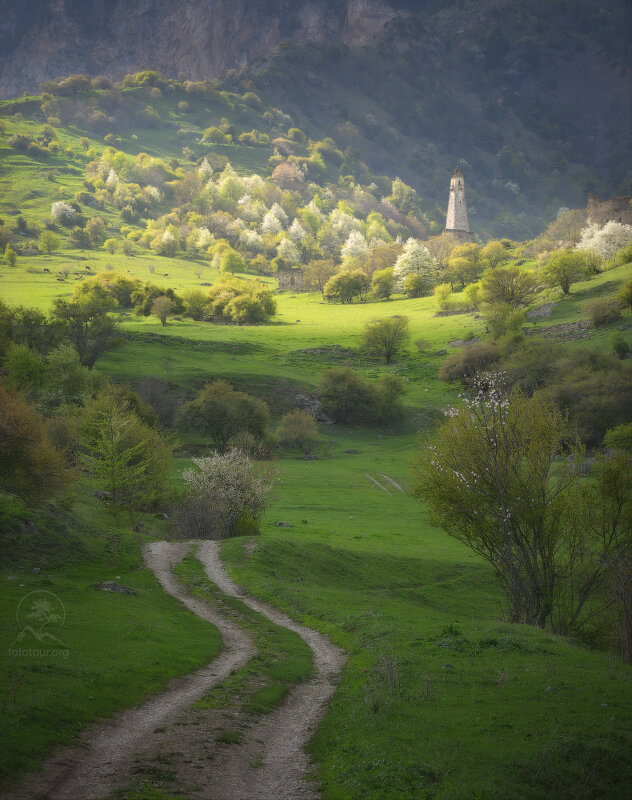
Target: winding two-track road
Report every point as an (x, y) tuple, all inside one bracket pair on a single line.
[(269, 763)]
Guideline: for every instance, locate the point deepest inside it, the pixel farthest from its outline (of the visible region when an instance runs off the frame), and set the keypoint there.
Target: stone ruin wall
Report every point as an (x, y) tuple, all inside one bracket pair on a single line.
[(617, 209), (290, 280)]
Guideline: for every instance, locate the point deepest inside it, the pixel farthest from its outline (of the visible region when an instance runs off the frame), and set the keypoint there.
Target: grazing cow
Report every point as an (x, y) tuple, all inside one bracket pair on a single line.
[(60, 279), (46, 269), (166, 275), (129, 271)]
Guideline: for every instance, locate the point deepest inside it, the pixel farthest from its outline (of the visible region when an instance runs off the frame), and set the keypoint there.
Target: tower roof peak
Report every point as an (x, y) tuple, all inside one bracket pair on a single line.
[(457, 172)]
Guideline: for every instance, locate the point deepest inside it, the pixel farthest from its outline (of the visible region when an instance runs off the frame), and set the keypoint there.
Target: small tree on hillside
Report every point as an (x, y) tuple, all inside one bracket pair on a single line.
[(162, 308), (299, 429), (490, 480), (510, 285), (225, 496), (383, 283), (346, 396), (345, 286), (564, 268), (386, 338), (494, 254), (625, 294), (115, 467), (464, 264), (48, 242), (231, 261), (196, 304), (10, 255), (317, 273), (123, 456)]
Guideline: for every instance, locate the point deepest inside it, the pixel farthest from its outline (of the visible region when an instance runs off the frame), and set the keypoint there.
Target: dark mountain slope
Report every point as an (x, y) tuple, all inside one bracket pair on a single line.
[(202, 38), (532, 97), (535, 100)]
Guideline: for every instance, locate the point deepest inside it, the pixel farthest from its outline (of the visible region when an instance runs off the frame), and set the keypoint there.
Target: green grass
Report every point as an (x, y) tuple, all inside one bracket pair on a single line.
[(282, 658), (440, 697), (229, 737), (117, 648), (574, 307)]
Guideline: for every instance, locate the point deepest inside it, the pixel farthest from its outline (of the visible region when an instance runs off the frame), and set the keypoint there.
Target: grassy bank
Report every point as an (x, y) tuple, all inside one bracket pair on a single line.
[(110, 650)]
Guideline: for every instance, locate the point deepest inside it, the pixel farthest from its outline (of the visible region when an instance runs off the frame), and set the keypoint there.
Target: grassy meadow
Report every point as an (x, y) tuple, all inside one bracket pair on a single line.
[(441, 697)]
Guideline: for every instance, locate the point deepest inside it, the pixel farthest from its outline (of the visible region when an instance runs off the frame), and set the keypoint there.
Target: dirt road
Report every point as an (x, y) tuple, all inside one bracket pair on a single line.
[(269, 763)]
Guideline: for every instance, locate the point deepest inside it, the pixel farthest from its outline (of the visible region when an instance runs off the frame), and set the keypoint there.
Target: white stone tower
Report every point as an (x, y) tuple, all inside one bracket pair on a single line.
[(456, 221)]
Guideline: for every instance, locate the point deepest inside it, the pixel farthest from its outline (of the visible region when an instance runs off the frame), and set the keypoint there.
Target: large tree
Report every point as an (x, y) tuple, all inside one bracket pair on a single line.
[(491, 478), (86, 321)]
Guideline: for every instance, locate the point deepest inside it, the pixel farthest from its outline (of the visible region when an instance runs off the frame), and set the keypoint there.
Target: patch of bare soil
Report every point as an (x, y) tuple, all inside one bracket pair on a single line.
[(392, 482)]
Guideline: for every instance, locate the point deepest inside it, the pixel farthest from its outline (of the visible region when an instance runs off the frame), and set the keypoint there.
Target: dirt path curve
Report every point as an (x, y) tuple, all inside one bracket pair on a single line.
[(91, 769), (271, 762)]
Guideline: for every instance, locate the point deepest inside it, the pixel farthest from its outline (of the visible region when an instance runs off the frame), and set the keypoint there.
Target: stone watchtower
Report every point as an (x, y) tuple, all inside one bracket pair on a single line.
[(456, 222)]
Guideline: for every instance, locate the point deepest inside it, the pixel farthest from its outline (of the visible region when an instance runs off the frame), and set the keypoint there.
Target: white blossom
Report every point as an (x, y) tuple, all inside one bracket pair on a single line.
[(355, 245), (271, 224), (605, 240), (296, 231), (62, 212), (205, 170), (112, 180), (286, 249)]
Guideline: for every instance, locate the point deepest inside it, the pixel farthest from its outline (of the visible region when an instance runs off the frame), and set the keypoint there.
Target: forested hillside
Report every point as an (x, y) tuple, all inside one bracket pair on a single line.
[(532, 100)]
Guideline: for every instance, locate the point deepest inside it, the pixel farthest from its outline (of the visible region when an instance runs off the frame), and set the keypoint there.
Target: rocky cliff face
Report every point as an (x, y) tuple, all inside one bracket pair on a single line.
[(41, 39)]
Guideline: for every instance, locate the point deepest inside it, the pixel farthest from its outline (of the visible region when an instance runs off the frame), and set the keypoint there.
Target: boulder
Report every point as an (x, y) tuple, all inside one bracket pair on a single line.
[(542, 311), (314, 407), (112, 586)]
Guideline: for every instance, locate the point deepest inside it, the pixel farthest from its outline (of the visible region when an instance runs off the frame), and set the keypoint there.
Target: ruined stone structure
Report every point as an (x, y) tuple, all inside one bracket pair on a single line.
[(456, 221), (290, 280), (617, 209)]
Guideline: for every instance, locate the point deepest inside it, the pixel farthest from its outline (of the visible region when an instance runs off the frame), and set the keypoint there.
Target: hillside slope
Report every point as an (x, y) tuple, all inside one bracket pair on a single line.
[(531, 98)]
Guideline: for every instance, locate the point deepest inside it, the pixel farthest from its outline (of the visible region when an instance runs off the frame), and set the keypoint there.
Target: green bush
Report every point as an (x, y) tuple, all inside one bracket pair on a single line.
[(603, 311), (619, 345), (350, 399), (241, 301), (465, 364)]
